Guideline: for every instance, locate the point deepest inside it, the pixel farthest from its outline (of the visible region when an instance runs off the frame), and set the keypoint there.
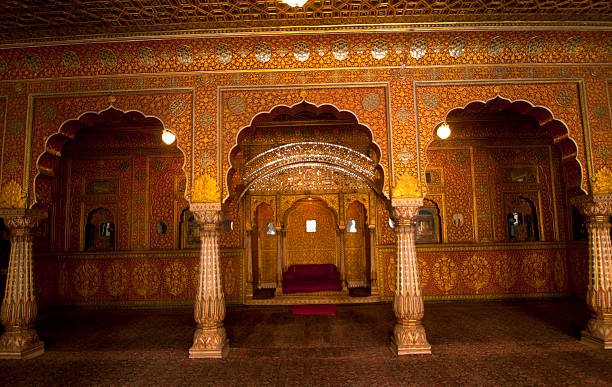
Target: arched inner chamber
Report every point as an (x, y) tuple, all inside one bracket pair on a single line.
[(310, 180)]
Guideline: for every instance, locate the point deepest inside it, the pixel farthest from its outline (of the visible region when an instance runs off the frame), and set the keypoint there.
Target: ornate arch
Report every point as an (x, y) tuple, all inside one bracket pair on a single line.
[(554, 127), (365, 168), (68, 130)]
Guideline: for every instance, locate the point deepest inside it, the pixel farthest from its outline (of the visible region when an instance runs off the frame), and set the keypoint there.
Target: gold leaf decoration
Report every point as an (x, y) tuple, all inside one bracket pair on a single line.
[(406, 186), (12, 196), (205, 190), (602, 182)]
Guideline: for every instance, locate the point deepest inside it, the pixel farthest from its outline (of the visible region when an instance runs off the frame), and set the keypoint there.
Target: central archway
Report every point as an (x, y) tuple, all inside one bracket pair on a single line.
[(305, 154)]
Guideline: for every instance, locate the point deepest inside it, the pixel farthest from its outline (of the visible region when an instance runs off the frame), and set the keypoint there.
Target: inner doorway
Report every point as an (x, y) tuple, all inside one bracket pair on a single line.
[(307, 176)]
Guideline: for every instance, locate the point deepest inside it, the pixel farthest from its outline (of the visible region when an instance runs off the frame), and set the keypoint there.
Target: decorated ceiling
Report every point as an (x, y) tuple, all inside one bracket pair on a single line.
[(43, 19)]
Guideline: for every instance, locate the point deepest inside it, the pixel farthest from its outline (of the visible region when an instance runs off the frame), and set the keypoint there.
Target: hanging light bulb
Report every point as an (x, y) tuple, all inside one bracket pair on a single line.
[(443, 131), (295, 3), (168, 137)]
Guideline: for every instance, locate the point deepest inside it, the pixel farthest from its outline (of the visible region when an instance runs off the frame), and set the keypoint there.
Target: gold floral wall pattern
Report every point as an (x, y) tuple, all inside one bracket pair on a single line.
[(400, 85), (448, 272), (311, 51)]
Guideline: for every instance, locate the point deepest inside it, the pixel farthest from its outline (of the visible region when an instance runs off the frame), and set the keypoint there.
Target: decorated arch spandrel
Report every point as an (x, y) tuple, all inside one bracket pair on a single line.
[(546, 101), (367, 102), (53, 114)]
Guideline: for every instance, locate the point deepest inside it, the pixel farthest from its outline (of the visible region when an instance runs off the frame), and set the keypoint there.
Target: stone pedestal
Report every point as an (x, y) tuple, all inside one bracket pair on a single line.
[(209, 339), (408, 334), (19, 311), (598, 209)]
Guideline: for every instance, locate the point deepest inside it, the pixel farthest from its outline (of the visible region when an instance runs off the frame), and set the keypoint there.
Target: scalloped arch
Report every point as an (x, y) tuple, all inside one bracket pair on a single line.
[(557, 129), (293, 111), (68, 130)]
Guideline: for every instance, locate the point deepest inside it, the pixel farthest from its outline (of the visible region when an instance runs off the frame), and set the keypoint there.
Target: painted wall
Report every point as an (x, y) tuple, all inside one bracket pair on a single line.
[(399, 85)]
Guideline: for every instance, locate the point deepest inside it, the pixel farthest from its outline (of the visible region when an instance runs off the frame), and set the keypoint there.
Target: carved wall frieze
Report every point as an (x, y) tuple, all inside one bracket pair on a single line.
[(406, 186), (602, 182), (205, 190), (12, 196)]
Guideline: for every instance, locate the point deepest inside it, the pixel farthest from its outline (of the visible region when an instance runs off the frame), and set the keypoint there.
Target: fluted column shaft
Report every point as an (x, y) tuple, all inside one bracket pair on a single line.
[(598, 209), (19, 311), (408, 334), (210, 339)]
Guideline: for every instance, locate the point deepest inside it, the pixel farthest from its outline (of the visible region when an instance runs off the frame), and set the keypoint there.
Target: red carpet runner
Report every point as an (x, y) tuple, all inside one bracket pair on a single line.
[(313, 309)]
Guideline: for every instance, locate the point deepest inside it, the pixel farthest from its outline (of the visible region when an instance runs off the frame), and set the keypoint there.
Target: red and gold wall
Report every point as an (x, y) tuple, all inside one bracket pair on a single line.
[(400, 85)]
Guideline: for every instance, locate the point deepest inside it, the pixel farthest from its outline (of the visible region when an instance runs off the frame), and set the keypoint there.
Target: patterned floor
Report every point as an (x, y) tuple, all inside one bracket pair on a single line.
[(495, 343)]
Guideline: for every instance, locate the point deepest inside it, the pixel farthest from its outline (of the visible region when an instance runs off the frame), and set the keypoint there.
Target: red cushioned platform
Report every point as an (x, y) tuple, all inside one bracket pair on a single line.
[(314, 309)]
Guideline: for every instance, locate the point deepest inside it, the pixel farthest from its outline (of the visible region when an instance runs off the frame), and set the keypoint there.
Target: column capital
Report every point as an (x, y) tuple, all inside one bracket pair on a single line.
[(407, 202), (206, 214), (406, 211), (22, 219), (594, 206)]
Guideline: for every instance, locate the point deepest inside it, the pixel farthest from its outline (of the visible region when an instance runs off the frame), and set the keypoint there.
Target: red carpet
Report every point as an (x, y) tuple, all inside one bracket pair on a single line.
[(314, 309)]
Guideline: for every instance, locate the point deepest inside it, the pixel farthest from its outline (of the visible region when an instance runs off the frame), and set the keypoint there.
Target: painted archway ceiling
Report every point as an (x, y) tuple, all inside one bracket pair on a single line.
[(27, 20)]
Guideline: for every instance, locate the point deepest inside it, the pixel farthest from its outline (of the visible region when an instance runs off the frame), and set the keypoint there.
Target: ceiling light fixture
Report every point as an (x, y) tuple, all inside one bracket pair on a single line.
[(443, 131), (168, 137), (295, 3)]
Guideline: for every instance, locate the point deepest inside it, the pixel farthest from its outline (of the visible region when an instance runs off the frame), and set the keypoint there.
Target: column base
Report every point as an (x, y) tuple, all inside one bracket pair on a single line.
[(594, 342), (411, 349), (209, 344), (598, 334), (409, 340), (21, 345)]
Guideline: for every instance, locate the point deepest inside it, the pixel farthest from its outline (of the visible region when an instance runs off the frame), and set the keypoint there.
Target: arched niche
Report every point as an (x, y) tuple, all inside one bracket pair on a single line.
[(509, 163), (189, 231), (100, 230), (114, 138), (428, 223)]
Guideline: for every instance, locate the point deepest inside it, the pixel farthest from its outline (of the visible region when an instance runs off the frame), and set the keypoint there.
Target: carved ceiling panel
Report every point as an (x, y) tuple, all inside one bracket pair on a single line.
[(24, 20)]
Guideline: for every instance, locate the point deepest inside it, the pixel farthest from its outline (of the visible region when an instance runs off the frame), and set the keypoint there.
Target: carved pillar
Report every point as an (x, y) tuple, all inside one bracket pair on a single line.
[(598, 209), (373, 268), (18, 313), (209, 339), (281, 259), (249, 251), (408, 333), (343, 276)]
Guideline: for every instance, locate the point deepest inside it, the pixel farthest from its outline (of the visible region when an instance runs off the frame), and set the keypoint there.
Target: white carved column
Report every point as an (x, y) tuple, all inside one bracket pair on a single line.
[(19, 311), (598, 209), (373, 268), (408, 334), (209, 339)]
